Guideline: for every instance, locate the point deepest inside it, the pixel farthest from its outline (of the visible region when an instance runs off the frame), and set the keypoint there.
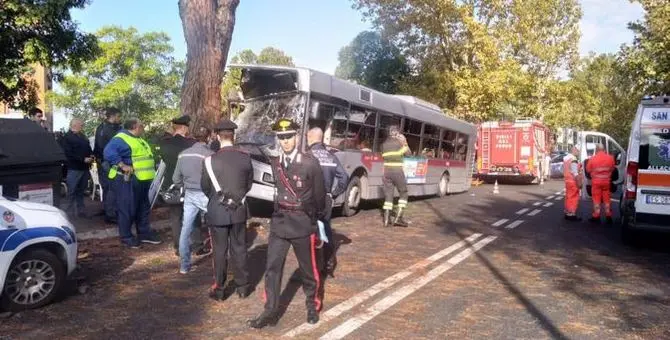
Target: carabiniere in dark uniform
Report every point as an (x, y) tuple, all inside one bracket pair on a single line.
[(299, 204), (226, 216)]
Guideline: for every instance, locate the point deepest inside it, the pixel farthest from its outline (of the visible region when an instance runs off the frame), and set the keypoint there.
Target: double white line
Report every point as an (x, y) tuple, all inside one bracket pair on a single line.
[(355, 322)]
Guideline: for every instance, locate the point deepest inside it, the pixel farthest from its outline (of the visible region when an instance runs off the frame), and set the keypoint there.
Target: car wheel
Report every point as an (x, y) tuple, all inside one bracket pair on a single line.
[(33, 280), (352, 198)]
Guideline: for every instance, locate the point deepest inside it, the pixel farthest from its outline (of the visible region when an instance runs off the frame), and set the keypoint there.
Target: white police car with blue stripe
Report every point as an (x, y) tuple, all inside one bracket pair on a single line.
[(38, 250)]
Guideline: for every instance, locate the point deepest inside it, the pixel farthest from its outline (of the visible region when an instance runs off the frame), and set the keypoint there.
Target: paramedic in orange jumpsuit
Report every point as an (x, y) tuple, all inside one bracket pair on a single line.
[(600, 167), (572, 174)]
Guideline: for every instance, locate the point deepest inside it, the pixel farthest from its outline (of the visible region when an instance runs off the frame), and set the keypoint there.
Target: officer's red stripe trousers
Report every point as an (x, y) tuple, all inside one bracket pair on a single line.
[(315, 270)]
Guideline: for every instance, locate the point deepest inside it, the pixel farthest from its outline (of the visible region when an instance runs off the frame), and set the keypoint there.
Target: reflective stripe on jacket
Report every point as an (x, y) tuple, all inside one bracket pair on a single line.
[(144, 167)]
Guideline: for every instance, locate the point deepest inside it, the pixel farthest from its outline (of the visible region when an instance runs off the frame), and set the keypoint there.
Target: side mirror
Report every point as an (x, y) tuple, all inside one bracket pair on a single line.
[(617, 158)]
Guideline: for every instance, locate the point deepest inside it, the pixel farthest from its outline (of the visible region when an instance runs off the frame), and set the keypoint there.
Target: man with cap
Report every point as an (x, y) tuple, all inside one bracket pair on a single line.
[(169, 150), (226, 178), (299, 203)]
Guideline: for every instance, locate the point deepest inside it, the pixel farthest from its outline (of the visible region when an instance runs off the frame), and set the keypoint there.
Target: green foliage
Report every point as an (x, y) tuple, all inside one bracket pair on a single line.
[(134, 72), (373, 61), (231, 82), (480, 59), (38, 32)]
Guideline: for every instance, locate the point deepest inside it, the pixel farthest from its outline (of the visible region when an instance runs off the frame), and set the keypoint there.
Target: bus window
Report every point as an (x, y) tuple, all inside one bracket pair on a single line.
[(412, 132), (448, 147), (461, 147), (385, 121), (430, 141), (337, 129), (361, 128)]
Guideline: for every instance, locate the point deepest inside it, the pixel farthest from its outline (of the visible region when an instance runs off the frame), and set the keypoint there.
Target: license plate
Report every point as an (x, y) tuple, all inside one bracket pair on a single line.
[(658, 199)]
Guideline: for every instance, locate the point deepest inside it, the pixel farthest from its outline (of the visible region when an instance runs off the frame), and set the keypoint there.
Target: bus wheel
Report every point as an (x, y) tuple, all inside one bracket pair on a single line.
[(352, 198), (443, 186)]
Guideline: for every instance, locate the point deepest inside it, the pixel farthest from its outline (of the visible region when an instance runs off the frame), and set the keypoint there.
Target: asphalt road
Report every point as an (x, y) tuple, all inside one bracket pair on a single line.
[(476, 265)]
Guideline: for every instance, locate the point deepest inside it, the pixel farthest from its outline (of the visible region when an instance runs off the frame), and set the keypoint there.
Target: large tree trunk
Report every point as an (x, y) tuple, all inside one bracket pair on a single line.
[(208, 29)]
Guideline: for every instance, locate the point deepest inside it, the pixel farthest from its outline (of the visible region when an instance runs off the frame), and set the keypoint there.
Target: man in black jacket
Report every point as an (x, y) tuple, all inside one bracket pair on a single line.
[(299, 204), (335, 181), (227, 176), (103, 134), (79, 156)]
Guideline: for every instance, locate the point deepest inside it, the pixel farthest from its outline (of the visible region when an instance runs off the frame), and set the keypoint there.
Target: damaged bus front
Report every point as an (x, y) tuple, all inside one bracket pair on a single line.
[(267, 95)]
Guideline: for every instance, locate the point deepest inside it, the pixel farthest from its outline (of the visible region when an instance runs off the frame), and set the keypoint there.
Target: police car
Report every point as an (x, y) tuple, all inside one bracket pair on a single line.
[(38, 250)]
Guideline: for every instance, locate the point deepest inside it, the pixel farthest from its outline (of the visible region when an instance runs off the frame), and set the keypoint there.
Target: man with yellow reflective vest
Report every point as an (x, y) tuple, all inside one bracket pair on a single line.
[(131, 173), (394, 149)]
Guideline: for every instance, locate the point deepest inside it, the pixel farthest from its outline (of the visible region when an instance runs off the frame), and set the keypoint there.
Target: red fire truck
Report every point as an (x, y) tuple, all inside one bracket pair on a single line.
[(513, 152)]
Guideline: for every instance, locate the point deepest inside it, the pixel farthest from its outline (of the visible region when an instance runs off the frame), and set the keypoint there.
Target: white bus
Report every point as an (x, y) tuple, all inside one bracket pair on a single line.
[(355, 120)]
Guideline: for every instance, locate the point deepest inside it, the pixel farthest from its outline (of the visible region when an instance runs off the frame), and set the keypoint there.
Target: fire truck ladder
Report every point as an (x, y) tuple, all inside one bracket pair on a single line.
[(486, 148)]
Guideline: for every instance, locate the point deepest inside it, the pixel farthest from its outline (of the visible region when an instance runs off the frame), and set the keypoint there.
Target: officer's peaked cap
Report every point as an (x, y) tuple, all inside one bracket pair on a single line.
[(225, 125), (183, 120), (285, 126)]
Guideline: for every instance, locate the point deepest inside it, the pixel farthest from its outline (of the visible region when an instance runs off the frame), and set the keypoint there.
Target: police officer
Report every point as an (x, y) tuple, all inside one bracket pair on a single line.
[(335, 182), (299, 204), (227, 177), (132, 171), (103, 134), (170, 148), (394, 149)]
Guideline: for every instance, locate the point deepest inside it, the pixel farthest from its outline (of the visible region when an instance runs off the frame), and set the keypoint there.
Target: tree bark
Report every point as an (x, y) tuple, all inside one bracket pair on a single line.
[(208, 28)]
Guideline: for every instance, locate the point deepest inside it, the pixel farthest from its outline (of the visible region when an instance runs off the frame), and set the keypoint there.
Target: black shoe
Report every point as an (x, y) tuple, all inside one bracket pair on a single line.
[(244, 291), (312, 316), (594, 220), (572, 218), (217, 294), (131, 243), (151, 239), (609, 220), (110, 220), (265, 319)]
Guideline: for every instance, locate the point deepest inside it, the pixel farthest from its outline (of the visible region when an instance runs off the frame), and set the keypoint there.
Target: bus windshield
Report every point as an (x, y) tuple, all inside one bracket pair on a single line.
[(254, 124)]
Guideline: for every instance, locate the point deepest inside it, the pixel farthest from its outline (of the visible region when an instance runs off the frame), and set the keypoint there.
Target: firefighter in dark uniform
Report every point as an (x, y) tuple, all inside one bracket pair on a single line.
[(299, 204), (227, 177), (394, 149), (169, 150)]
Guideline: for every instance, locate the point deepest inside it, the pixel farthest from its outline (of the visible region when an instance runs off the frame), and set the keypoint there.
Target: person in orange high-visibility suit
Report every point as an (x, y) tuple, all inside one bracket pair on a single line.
[(572, 174), (600, 167)]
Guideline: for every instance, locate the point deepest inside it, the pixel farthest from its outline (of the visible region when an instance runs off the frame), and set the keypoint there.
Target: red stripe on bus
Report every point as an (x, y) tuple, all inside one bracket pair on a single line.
[(450, 163)]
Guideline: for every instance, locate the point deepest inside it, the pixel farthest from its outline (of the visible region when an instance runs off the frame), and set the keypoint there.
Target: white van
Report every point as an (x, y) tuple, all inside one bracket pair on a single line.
[(645, 203), (587, 148)]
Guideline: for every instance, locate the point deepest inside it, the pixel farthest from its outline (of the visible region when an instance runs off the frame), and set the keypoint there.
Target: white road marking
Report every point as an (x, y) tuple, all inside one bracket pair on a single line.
[(386, 283), (357, 321), (537, 203), (550, 197), (559, 192), (559, 198), (522, 211), (548, 204), (514, 224), (500, 222), (534, 212)]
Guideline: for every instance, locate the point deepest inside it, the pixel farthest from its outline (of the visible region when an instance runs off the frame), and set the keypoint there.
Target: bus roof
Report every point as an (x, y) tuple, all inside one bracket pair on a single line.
[(402, 105)]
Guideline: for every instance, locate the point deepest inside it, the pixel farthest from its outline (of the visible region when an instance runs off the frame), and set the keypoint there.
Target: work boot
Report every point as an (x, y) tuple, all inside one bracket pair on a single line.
[(594, 220), (266, 318), (312, 316), (572, 217), (399, 221), (609, 220), (387, 217)]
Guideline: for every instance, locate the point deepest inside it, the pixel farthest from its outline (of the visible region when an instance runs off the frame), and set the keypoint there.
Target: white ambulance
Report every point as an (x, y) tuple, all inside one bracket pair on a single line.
[(38, 250), (645, 203)]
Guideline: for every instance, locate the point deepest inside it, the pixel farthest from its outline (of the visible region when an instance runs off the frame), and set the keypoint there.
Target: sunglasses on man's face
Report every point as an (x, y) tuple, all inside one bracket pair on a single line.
[(285, 137)]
